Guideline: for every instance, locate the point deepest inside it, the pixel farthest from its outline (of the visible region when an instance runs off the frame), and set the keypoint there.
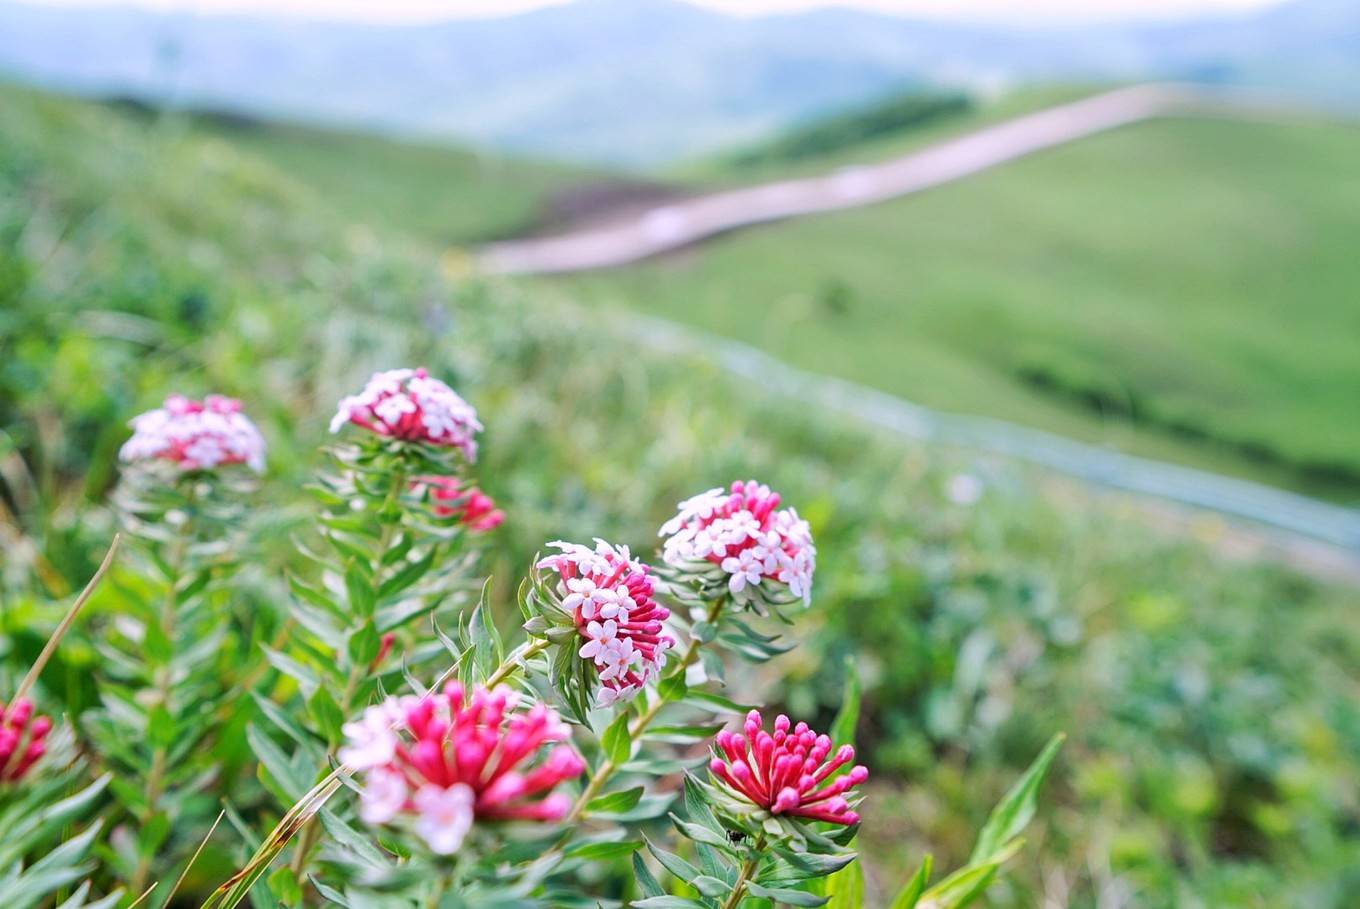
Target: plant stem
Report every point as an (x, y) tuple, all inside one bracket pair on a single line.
[(309, 832), (748, 870), (65, 625), (514, 660), (639, 726), (165, 678)]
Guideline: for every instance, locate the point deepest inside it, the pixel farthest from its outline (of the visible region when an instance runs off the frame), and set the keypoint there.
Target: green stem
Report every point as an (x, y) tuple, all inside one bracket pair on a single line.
[(639, 726), (514, 660), (165, 677), (748, 870)]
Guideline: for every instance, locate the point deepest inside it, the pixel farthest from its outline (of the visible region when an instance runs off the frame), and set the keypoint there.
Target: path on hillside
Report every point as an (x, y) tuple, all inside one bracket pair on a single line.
[(678, 224), (1312, 534)]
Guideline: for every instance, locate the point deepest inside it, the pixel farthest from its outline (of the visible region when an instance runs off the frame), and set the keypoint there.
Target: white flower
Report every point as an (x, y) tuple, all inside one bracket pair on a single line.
[(444, 816), (372, 740), (383, 795)]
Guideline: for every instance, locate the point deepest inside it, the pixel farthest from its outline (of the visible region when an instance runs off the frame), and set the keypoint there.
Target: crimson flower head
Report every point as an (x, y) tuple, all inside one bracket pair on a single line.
[(447, 759), (608, 596), (744, 538), (473, 508), (408, 404), (23, 739), (196, 435), (786, 773)]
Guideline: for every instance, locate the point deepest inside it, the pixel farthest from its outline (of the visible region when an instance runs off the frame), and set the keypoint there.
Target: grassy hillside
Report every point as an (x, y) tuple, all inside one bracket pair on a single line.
[(446, 194), (1184, 288), (1211, 705)]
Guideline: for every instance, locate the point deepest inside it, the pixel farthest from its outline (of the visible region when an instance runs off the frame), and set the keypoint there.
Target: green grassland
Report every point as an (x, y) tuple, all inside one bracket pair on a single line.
[(1211, 705), (1183, 288), (443, 192)]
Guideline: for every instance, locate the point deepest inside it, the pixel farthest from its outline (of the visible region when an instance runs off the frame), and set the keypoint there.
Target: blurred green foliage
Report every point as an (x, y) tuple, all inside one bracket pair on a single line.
[(1211, 706)]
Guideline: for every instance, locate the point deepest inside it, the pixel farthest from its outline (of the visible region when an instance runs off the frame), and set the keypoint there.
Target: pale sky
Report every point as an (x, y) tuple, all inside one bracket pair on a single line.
[(427, 10)]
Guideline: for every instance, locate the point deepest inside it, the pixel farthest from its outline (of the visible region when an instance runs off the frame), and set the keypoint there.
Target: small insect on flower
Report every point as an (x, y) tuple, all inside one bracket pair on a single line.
[(448, 759), (786, 773), (23, 739), (608, 596), (746, 538), (196, 435), (473, 508), (408, 404)]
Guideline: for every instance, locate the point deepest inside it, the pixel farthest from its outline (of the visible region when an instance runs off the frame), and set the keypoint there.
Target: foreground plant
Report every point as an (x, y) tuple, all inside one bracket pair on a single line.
[(397, 512), (46, 795), (167, 657)]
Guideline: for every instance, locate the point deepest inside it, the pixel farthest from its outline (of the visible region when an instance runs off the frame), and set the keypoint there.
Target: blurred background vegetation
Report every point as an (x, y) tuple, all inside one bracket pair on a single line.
[(1212, 701)]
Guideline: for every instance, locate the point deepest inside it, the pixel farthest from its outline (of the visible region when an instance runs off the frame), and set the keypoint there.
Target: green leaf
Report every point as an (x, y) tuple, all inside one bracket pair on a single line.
[(283, 883), (359, 589), (673, 863), (487, 650), (273, 760), (668, 902), (646, 881), (606, 850), (911, 891), (710, 886), (615, 802), (780, 895), (364, 643), (616, 742), (1016, 810), (326, 714), (672, 687), (846, 887), (847, 718), (962, 887)]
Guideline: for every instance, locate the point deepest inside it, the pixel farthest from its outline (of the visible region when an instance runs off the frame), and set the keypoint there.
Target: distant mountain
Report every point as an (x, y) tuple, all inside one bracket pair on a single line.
[(637, 81)]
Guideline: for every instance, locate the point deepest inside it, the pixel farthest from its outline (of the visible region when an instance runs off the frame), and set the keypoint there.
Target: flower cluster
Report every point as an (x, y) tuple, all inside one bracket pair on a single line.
[(196, 435), (449, 758), (473, 508), (609, 595), (408, 404), (23, 739), (747, 535), (786, 773)]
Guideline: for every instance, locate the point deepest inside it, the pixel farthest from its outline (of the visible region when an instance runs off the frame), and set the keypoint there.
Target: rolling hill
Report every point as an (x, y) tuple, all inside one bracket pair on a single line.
[(1183, 288)]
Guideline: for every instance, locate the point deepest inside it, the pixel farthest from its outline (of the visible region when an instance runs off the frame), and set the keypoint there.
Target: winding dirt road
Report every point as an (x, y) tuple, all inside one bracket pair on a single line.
[(679, 224)]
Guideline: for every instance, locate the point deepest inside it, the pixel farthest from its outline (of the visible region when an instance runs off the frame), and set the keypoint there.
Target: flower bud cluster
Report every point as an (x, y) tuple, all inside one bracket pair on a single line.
[(196, 435)]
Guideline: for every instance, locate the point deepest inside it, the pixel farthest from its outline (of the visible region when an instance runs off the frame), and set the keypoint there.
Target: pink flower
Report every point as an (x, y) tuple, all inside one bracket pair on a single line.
[(196, 435), (22, 739), (609, 596), (786, 773), (473, 508), (745, 536), (446, 760), (407, 404)]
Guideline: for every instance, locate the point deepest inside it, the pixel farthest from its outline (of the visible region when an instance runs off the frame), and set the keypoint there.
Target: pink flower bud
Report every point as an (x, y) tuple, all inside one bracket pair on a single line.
[(780, 774)]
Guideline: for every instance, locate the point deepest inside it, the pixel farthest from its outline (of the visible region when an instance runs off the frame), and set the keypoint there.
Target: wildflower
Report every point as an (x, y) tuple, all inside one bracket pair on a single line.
[(446, 760), (786, 773), (473, 508), (22, 739), (608, 596), (408, 404), (746, 537), (964, 489), (196, 435)]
